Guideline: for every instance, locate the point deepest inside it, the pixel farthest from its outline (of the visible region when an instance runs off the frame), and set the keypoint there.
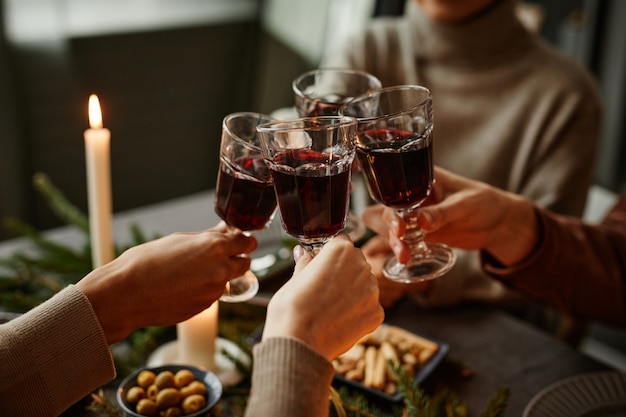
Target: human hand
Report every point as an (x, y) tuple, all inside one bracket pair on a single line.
[(468, 214), (390, 229), (167, 280), (376, 251), (330, 302)]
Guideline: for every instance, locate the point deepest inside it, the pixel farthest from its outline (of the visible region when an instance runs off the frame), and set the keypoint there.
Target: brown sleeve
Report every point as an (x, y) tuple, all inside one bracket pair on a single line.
[(578, 268)]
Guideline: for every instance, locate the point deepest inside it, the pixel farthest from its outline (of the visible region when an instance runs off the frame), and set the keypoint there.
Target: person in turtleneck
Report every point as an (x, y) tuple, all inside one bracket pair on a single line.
[(509, 110)]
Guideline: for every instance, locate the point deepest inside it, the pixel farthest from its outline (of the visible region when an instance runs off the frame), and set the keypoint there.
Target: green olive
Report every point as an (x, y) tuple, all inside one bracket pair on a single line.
[(147, 407), (145, 378), (172, 412), (193, 403), (165, 379), (183, 377), (135, 394), (195, 387), (168, 397), (152, 392)]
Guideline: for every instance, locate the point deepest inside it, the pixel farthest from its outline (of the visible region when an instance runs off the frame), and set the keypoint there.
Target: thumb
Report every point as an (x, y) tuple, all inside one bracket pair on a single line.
[(437, 216), (302, 258), (432, 218)]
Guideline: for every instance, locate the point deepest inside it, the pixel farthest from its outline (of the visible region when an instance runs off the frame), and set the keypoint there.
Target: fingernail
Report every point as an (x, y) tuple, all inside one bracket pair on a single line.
[(394, 226), (298, 251), (397, 247)]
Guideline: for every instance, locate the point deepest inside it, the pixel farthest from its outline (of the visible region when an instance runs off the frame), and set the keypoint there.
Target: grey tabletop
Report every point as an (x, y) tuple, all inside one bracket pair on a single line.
[(499, 349)]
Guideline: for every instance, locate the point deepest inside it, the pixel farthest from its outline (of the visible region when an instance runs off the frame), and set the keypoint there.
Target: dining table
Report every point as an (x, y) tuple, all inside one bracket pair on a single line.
[(495, 347)]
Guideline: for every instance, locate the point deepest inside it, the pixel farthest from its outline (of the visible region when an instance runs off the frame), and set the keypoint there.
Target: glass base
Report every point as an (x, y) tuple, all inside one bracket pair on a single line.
[(422, 267), (241, 289)]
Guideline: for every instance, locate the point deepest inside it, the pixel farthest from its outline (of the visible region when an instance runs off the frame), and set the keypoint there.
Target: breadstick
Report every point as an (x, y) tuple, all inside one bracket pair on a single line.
[(343, 368), (353, 354), (388, 352), (425, 355), (380, 371), (355, 374), (376, 337), (398, 333), (370, 365)]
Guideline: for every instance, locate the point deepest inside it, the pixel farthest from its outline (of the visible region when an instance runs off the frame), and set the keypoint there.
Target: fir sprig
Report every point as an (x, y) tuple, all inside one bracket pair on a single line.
[(28, 279), (61, 206), (497, 404)]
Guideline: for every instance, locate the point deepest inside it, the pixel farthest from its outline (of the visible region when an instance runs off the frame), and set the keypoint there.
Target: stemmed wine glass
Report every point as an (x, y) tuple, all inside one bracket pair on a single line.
[(394, 148), (310, 160), (321, 92), (244, 194)]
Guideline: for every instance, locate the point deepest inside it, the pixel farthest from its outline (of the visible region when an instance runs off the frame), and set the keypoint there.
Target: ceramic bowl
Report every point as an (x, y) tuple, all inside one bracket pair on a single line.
[(210, 380)]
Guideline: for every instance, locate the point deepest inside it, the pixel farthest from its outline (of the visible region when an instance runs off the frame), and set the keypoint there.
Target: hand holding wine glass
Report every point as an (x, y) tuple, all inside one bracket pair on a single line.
[(394, 147), (244, 194), (310, 161)]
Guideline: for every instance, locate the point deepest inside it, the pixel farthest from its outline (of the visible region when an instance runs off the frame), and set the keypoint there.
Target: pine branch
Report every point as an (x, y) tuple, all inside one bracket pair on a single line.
[(42, 243), (65, 210), (356, 404), (103, 405), (497, 404), (36, 276)]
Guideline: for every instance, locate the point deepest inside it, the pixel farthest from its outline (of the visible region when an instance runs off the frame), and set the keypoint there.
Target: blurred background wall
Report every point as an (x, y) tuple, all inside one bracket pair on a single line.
[(168, 71)]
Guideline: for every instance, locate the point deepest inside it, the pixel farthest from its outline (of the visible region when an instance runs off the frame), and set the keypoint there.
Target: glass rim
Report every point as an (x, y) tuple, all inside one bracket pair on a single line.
[(371, 95), (337, 70), (306, 123), (242, 114)]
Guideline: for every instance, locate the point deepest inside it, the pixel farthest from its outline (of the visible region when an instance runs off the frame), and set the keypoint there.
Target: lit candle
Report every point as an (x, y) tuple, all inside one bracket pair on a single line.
[(196, 338), (97, 156)]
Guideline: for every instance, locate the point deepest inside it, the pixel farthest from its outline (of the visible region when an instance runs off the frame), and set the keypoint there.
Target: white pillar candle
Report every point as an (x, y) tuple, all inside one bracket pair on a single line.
[(97, 158), (196, 338)]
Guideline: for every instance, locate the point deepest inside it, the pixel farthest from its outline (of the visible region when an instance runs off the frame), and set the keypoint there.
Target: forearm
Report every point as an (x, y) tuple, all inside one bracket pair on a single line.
[(52, 356), (577, 268), (289, 379)]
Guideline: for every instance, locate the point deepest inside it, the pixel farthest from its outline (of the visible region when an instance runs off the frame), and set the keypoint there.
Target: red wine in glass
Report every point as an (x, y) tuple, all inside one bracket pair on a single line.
[(326, 105), (398, 177), (394, 150), (244, 196), (243, 201), (312, 193)]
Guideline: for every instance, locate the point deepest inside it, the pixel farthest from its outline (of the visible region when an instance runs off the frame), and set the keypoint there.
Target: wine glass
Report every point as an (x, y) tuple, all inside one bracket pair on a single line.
[(321, 92), (244, 194), (394, 148), (310, 160)]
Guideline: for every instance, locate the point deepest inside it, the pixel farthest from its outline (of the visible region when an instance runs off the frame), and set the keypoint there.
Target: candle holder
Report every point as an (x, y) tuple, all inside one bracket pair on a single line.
[(197, 344)]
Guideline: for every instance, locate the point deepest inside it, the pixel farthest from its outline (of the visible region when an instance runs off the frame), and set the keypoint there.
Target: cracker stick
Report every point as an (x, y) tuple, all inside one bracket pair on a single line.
[(370, 365), (396, 333), (380, 370)]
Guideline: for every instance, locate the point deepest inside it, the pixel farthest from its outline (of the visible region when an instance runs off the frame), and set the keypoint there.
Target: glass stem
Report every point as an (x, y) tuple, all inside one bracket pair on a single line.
[(413, 235), (313, 248)]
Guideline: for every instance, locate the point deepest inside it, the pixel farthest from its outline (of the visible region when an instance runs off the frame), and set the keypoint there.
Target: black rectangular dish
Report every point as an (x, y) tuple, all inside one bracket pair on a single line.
[(387, 333)]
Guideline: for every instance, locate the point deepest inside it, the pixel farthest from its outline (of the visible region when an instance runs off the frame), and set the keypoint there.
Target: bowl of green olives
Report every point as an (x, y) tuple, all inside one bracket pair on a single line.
[(169, 391)]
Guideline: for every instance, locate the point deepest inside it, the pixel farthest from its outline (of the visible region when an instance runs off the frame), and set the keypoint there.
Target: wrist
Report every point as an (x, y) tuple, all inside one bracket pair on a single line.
[(515, 238)]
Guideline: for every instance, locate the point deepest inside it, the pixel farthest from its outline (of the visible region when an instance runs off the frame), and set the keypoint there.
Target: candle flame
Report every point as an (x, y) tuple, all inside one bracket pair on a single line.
[(95, 114)]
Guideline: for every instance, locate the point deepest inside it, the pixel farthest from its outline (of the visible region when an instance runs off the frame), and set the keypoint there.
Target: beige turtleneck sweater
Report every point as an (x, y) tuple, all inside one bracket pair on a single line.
[(509, 110), (57, 353)]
